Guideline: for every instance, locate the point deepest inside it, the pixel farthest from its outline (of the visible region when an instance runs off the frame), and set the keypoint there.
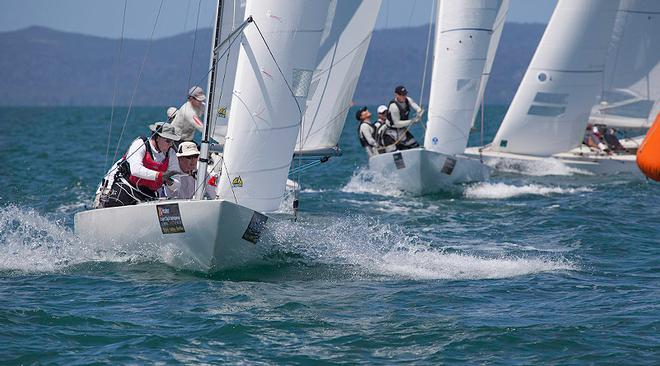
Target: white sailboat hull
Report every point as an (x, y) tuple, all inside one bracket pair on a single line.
[(581, 158), (420, 171), (203, 236)]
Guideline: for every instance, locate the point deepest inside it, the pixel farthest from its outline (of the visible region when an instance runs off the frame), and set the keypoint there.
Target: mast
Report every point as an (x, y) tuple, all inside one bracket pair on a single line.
[(204, 151)]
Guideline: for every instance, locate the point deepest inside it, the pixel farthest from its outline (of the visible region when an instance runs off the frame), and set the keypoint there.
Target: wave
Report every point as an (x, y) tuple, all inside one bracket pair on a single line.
[(368, 181), (373, 248), (537, 168), (504, 191)]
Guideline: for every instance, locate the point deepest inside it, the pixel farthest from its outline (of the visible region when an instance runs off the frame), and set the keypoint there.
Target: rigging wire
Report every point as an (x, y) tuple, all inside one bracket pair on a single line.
[(192, 57), (137, 82), (426, 57), (114, 92)]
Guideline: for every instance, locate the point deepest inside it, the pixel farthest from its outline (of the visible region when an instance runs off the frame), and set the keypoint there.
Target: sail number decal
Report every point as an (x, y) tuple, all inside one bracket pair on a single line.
[(253, 230), (169, 217)]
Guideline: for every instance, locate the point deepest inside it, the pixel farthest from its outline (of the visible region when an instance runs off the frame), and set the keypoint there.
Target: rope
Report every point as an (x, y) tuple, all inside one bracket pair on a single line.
[(114, 92), (137, 82)]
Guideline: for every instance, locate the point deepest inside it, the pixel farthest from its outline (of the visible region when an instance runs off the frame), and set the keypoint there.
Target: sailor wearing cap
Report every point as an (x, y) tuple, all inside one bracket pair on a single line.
[(366, 131), (148, 164), (385, 136), (184, 185), (399, 117), (189, 116)]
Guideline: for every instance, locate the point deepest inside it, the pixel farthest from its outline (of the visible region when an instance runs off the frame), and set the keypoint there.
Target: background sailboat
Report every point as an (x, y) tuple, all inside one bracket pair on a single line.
[(577, 59), (466, 38)]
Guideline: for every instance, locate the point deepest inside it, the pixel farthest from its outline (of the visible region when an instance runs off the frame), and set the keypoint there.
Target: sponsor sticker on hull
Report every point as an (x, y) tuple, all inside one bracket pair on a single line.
[(169, 217)]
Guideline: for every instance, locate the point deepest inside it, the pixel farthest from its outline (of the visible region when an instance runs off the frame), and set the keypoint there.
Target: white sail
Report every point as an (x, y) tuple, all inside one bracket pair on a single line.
[(232, 15), (265, 117), (490, 57), (550, 110), (467, 33), (632, 75), (344, 45)]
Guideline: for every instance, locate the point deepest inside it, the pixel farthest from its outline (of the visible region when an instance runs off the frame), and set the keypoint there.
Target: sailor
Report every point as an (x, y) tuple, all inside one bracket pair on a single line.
[(593, 138), (148, 164), (399, 118), (385, 136), (189, 116), (366, 131), (185, 184), (171, 113)]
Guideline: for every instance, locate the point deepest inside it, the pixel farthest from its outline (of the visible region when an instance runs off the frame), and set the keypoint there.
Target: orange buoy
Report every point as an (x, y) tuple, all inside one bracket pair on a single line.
[(648, 154)]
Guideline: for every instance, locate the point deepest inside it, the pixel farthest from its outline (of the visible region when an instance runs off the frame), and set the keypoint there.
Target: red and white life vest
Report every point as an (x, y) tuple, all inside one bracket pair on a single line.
[(149, 163)]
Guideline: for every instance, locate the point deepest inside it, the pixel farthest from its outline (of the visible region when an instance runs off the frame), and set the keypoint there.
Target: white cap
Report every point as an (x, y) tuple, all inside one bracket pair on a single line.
[(187, 149), (197, 93), (381, 108), (171, 112)]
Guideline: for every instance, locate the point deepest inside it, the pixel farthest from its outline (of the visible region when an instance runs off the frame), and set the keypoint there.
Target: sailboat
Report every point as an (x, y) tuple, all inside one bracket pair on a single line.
[(597, 63), (277, 56), (466, 37)]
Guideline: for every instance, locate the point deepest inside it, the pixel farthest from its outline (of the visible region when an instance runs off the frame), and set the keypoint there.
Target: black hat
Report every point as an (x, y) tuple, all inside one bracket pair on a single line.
[(358, 114), (401, 90)]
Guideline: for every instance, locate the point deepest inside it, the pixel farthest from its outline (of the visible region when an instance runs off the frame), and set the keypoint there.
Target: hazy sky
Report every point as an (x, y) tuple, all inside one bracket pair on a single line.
[(103, 17)]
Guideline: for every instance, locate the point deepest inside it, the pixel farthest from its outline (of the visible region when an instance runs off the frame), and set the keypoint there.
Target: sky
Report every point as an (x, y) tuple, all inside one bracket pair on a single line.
[(104, 17)]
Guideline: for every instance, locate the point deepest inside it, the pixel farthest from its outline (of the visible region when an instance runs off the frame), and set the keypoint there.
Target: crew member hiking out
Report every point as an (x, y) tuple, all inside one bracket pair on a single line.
[(399, 118), (148, 163), (366, 131), (188, 118), (385, 136)]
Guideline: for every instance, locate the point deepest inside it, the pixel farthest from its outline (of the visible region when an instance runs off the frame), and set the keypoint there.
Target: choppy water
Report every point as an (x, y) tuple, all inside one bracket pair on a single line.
[(551, 267)]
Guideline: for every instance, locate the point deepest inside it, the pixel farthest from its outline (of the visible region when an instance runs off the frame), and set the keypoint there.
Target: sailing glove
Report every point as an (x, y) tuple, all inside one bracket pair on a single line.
[(167, 176)]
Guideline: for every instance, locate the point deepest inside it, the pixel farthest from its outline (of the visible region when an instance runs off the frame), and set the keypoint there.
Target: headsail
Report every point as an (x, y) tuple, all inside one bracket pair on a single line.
[(466, 37), (344, 46), (265, 117), (631, 96), (550, 109)]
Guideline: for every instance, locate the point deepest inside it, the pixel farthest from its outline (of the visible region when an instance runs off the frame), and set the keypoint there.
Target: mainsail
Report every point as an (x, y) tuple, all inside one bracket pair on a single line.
[(466, 38), (631, 96), (232, 15), (550, 109), (265, 117), (344, 45)]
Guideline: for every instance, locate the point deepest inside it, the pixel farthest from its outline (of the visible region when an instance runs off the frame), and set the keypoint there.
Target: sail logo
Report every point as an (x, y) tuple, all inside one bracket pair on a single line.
[(434, 140), (237, 182), (222, 112)]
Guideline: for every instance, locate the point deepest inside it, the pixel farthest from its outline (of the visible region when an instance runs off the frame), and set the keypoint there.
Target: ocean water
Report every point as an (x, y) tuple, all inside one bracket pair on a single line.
[(549, 267)]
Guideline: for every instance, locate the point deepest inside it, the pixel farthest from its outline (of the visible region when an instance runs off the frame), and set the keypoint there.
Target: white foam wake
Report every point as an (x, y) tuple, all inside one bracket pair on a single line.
[(537, 168), (386, 249), (504, 191), (31, 242), (368, 181)]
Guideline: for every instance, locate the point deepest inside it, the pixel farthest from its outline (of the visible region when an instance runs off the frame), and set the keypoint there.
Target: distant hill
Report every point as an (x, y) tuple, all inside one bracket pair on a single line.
[(45, 67)]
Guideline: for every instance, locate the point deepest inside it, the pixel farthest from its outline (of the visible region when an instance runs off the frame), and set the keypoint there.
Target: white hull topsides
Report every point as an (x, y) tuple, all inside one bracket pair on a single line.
[(582, 158), (207, 236), (420, 171)]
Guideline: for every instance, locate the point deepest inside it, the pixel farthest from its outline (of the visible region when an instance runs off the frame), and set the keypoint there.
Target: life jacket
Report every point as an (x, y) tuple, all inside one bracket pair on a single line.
[(404, 110), (363, 141), (150, 163)]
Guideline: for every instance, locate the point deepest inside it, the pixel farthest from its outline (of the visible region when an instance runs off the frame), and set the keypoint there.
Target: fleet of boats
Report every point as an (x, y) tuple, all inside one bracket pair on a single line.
[(281, 84)]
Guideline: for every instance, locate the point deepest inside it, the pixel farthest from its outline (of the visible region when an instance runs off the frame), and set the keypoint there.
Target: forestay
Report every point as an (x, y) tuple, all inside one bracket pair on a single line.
[(344, 45), (632, 75), (265, 117), (550, 110), (466, 38), (232, 15)]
